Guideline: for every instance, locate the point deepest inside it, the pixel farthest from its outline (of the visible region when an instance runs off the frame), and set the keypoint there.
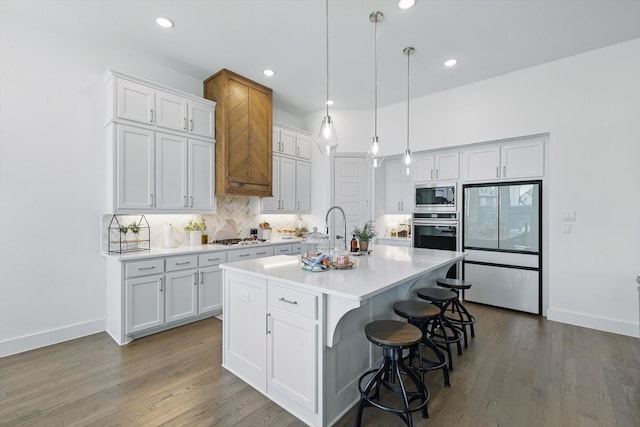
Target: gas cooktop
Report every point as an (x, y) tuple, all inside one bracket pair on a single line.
[(238, 241)]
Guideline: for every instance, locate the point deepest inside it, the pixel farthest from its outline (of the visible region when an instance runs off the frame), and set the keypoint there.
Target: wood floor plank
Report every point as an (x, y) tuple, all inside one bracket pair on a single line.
[(519, 370)]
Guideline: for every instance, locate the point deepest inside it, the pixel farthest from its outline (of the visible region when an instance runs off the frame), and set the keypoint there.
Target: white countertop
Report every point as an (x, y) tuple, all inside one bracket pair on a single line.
[(195, 249), (384, 268)]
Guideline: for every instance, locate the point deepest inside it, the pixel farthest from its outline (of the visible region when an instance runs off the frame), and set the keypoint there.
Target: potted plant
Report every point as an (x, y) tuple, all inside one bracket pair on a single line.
[(135, 229), (195, 230), (364, 235)]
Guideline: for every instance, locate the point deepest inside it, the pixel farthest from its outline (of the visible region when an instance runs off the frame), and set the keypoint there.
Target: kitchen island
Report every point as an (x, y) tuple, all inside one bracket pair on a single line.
[(298, 336)]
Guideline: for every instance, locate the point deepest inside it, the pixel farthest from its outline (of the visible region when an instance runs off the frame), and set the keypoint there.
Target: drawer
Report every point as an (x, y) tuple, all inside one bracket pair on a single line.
[(239, 255), (293, 301), (263, 251), (212, 258), (144, 268), (283, 250), (296, 248), (182, 262)]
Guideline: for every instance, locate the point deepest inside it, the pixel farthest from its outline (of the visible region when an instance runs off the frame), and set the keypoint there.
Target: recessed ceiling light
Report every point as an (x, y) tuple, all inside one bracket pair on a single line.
[(164, 22), (330, 102), (269, 73), (450, 62), (406, 4)]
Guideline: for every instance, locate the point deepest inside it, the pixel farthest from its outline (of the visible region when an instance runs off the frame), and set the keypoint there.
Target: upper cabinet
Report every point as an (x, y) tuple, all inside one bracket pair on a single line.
[(157, 106), (398, 188), (509, 161), (243, 124), (291, 142), (437, 166), (161, 148)]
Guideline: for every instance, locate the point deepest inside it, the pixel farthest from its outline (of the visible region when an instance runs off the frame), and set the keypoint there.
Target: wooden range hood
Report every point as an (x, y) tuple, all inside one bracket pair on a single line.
[(244, 132)]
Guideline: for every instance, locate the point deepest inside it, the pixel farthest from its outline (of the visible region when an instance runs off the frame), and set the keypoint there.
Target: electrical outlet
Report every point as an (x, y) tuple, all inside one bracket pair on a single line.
[(569, 215), (566, 228)]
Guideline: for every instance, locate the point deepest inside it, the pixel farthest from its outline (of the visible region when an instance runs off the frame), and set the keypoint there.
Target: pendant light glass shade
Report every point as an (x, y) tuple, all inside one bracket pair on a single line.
[(374, 155), (327, 137), (406, 159)]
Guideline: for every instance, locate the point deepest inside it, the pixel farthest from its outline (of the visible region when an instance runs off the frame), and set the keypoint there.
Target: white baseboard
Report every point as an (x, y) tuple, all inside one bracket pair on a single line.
[(54, 336), (599, 323)]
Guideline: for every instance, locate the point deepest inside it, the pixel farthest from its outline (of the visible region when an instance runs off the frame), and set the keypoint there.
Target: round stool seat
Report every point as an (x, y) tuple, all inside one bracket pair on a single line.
[(436, 294), (457, 284), (392, 333), (415, 309)]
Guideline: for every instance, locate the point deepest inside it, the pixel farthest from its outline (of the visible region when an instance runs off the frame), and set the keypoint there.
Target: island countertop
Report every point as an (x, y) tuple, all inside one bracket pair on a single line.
[(382, 269)]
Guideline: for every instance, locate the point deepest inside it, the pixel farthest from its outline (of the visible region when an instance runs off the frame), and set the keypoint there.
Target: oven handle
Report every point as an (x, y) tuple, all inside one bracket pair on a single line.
[(436, 223)]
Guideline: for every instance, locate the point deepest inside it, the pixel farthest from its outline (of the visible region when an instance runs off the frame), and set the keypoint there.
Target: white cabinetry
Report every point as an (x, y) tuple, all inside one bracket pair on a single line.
[(210, 288), (291, 187), (509, 161), (181, 298), (437, 166), (163, 148), (250, 253), (280, 351), (398, 188), (291, 142)]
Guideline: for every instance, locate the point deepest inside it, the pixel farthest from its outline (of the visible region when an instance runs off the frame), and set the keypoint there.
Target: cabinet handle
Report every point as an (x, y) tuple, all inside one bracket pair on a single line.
[(183, 263), (437, 173), (201, 277), (288, 301), (243, 255), (504, 171), (146, 268), (260, 253), (184, 123), (191, 198), (161, 284), (151, 200), (151, 116), (497, 172), (184, 201), (195, 279), (431, 173), (213, 259), (191, 125), (298, 205), (283, 250), (267, 323), (297, 151)]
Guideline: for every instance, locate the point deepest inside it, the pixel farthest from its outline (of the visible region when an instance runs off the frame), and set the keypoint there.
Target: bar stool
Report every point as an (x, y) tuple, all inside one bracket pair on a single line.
[(420, 314), (393, 336), (442, 332), (460, 316)]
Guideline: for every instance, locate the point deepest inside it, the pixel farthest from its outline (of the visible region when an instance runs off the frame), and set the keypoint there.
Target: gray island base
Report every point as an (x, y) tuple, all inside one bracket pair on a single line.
[(298, 336)]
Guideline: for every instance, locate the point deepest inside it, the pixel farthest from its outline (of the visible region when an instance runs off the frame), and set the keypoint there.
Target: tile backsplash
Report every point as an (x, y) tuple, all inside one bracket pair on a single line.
[(233, 219)]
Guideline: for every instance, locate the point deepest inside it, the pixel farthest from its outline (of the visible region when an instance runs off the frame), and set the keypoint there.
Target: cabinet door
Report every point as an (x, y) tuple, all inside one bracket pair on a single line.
[(201, 176), (135, 102), (424, 168), (287, 184), (171, 167), (303, 146), (171, 111), (201, 119), (144, 303), (292, 358), (181, 295), (210, 291), (481, 164), (398, 188), (287, 142), (245, 327), (272, 204), (303, 187), (447, 166), (523, 160), (135, 171)]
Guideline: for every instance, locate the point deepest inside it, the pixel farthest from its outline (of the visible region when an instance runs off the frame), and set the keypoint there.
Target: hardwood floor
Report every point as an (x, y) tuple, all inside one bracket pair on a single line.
[(520, 370)]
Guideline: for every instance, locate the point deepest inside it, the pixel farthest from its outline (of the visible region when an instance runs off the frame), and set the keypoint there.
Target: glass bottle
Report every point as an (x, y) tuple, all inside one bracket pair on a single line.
[(354, 244)]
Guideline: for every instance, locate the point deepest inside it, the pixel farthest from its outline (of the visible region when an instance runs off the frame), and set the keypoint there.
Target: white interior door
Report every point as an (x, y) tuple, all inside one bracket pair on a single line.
[(351, 192)]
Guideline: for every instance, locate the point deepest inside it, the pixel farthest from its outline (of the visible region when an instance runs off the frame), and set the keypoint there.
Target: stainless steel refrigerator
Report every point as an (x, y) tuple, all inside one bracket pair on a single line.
[(502, 234)]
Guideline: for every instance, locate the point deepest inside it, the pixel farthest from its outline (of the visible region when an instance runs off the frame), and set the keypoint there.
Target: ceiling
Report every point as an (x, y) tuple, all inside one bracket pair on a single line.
[(489, 37)]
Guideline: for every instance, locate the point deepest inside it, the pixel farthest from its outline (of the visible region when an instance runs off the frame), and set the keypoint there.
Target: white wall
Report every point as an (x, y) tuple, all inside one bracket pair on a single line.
[(589, 105)]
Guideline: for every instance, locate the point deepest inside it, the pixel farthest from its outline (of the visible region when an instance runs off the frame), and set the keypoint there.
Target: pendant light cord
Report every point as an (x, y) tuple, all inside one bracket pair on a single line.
[(327, 51), (375, 77), (408, 82)]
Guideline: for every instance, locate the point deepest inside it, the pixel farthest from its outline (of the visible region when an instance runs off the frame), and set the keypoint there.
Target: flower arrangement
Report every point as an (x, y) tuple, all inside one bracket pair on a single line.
[(195, 226), (365, 233)]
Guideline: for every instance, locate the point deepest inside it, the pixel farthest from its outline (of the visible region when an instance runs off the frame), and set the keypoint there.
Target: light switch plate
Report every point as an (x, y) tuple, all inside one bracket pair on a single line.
[(569, 215)]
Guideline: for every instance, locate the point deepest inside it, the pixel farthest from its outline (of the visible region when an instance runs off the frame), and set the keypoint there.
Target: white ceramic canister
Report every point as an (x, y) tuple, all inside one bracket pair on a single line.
[(169, 240)]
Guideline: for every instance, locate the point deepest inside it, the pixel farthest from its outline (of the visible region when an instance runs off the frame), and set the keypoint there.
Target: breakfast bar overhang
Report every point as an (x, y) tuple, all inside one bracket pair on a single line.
[(298, 336)]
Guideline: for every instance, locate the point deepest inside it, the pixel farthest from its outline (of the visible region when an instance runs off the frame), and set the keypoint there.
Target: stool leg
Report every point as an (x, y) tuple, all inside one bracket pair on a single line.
[(373, 381), (441, 359)]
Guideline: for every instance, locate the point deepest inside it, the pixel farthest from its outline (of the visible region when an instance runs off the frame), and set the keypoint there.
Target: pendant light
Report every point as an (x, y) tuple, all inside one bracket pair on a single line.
[(327, 138), (406, 159), (374, 155)]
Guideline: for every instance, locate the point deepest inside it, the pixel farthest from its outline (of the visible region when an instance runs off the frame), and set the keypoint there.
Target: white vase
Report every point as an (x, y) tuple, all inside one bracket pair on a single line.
[(195, 238)]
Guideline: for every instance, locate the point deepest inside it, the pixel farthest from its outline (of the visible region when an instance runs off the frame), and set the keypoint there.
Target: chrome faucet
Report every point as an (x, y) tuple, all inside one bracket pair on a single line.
[(344, 217)]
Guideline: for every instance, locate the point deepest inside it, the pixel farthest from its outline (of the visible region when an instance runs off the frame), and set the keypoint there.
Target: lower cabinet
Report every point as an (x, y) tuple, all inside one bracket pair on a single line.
[(144, 302), (181, 296), (271, 340)]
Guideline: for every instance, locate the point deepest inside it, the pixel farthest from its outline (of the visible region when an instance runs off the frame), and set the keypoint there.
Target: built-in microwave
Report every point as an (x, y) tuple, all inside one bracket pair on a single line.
[(436, 197)]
